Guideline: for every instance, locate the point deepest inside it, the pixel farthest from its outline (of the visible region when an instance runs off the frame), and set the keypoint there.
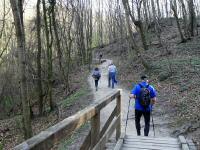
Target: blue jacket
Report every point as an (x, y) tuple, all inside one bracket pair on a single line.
[(136, 92)]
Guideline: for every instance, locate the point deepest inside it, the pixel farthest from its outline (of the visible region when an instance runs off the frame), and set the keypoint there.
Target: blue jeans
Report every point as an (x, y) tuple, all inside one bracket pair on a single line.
[(111, 76)]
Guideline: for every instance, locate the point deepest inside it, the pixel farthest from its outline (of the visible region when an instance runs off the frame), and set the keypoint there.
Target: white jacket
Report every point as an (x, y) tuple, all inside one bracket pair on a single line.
[(112, 68)]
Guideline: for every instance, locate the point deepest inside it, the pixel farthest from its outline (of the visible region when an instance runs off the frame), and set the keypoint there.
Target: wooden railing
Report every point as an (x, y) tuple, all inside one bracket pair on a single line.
[(96, 139)]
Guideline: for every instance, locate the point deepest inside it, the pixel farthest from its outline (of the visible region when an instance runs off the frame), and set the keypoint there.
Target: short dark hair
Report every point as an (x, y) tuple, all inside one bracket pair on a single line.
[(143, 77)]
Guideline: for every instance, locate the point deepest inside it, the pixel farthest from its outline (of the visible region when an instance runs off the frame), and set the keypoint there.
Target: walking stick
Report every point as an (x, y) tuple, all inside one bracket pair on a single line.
[(153, 123)]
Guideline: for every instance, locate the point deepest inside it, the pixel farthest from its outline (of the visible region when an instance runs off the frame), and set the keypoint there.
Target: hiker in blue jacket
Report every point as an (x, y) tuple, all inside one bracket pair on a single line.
[(96, 75), (145, 97), (112, 70)]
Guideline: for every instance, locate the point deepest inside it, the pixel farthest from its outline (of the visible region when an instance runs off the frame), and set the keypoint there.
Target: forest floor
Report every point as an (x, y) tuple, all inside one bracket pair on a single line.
[(11, 131)]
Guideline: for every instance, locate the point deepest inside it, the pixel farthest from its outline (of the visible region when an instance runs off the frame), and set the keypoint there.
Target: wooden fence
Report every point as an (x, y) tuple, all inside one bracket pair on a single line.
[(96, 138)]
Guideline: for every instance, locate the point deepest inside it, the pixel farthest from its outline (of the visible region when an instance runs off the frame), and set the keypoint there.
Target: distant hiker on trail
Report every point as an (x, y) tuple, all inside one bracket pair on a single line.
[(100, 57), (112, 70), (96, 75), (145, 97)]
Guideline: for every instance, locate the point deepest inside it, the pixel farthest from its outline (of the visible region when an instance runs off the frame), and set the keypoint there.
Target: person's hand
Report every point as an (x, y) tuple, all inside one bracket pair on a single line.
[(153, 101)]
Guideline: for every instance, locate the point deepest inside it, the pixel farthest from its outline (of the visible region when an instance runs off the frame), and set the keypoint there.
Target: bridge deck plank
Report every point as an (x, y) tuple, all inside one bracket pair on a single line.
[(150, 143), (153, 144), (150, 147)]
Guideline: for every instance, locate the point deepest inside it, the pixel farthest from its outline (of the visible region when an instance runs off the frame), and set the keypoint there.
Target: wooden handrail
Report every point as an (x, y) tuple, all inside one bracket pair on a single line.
[(51, 136)]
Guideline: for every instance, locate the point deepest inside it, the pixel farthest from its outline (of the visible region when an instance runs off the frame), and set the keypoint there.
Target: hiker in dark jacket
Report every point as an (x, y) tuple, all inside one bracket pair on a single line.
[(96, 75), (145, 97)]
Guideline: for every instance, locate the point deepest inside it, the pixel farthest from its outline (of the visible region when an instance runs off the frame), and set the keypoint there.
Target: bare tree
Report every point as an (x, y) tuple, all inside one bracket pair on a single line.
[(17, 9), (138, 23), (3, 19), (166, 9), (177, 21), (192, 16), (145, 11), (132, 40), (153, 9), (39, 66), (184, 13), (48, 34), (158, 7)]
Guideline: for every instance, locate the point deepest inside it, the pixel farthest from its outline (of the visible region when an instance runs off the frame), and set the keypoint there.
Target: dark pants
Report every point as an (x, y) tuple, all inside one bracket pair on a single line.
[(138, 115), (96, 83)]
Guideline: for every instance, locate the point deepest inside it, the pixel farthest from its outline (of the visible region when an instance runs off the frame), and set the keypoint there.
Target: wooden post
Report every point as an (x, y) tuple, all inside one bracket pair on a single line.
[(118, 128), (95, 129)]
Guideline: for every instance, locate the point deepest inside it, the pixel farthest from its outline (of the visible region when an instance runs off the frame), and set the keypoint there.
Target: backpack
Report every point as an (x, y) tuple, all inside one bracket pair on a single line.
[(96, 74), (144, 96)]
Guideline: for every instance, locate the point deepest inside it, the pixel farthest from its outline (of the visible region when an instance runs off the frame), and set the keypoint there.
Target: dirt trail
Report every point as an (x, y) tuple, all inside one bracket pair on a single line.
[(161, 128)]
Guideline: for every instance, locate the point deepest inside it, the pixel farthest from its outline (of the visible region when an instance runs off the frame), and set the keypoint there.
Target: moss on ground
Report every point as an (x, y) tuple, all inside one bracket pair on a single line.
[(71, 100), (1, 146), (64, 144)]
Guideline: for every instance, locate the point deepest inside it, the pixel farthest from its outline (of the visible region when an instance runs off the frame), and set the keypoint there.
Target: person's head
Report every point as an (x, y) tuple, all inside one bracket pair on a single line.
[(96, 69), (144, 78)]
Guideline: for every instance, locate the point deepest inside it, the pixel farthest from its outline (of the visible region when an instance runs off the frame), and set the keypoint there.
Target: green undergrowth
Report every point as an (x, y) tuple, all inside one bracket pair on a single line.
[(64, 144), (1, 146), (69, 101), (7, 104)]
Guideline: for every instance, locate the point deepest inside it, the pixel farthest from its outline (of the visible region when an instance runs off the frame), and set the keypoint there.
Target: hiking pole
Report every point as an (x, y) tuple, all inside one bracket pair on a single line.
[(153, 123), (127, 115)]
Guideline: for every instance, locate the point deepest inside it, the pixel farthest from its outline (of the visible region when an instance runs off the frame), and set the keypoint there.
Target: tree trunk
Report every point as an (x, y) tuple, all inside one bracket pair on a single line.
[(39, 81), (140, 25), (132, 41), (184, 13), (145, 12), (153, 9), (49, 56), (80, 37), (59, 51), (166, 8), (156, 21), (148, 9), (137, 23), (3, 19), (192, 16), (17, 6), (100, 24), (178, 24), (158, 7)]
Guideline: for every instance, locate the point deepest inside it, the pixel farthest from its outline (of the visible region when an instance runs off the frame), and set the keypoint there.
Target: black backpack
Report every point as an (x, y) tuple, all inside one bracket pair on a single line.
[(144, 96)]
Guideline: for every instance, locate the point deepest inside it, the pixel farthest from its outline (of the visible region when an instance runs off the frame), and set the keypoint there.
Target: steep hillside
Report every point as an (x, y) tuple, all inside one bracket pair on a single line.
[(175, 72)]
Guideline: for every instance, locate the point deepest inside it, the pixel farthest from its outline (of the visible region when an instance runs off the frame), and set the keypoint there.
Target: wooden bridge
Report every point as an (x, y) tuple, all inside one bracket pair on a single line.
[(98, 137)]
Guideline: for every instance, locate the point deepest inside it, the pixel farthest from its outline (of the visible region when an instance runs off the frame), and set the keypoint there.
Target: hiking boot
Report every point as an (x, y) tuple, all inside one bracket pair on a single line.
[(146, 134), (138, 133)]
